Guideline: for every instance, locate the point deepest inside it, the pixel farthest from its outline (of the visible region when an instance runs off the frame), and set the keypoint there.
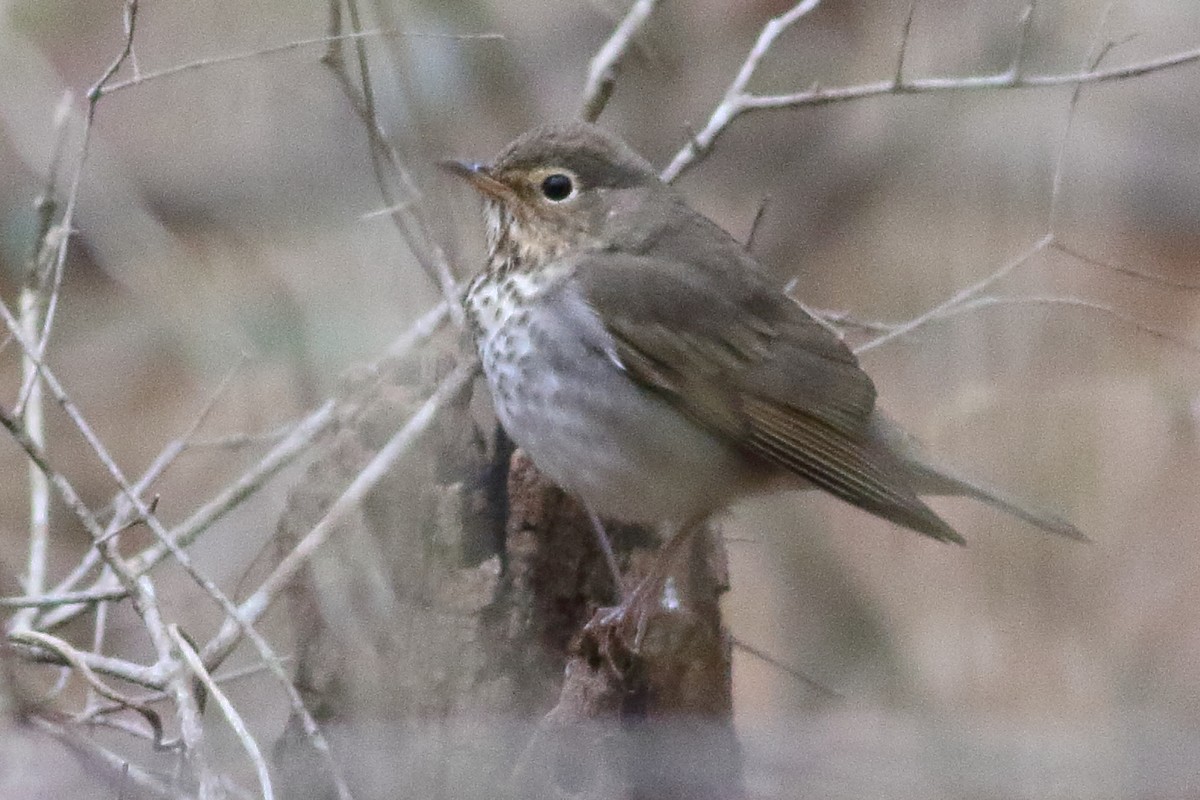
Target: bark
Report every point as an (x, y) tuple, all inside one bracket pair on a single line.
[(457, 638)]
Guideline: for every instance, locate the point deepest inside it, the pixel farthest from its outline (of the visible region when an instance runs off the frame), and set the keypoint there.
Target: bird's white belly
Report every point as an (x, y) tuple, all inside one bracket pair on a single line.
[(624, 451)]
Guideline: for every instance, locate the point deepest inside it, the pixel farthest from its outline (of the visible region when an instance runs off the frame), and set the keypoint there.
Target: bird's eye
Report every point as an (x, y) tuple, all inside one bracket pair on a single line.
[(557, 187)]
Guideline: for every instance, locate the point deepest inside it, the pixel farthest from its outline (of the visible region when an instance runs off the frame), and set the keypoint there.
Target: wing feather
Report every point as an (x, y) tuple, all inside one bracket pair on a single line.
[(748, 364)]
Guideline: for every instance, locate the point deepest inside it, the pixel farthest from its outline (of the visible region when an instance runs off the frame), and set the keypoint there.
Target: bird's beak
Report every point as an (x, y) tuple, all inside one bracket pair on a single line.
[(481, 179)]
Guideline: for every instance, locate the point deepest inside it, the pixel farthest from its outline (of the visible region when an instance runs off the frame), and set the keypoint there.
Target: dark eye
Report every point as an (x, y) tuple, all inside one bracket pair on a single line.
[(557, 187)]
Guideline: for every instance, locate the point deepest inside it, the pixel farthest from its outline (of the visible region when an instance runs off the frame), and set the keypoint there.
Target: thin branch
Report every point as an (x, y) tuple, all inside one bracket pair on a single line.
[(252, 609), (406, 214), (1094, 59), (905, 35), (281, 456), (124, 514), (231, 715), (602, 72), (822, 96), (137, 674), (29, 406), (737, 100), (158, 695), (46, 203), (731, 105), (787, 669), (187, 706), (1076, 302), (1149, 277), (66, 493), (203, 518), (844, 319), (129, 728), (81, 424), (958, 298), (420, 331), (143, 595), (756, 223), (32, 303), (64, 599), (387, 211), (65, 225), (1025, 28), (88, 748), (75, 659), (205, 63), (99, 629), (241, 620), (240, 441)]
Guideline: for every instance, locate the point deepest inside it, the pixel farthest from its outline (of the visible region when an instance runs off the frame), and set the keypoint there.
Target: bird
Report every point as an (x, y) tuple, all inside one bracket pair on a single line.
[(647, 363)]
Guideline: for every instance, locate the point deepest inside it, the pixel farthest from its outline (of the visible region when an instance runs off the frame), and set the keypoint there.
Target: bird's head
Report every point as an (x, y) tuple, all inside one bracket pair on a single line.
[(556, 188)]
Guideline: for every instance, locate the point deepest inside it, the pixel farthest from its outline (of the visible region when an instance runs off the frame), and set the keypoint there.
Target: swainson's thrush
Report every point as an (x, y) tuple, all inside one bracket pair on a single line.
[(645, 362)]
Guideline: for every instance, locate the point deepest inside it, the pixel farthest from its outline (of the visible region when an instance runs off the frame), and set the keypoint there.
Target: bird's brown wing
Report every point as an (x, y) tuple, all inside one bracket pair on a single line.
[(748, 364)]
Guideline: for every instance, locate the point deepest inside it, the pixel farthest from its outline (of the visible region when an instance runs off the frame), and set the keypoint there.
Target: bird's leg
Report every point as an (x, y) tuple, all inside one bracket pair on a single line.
[(657, 592), (606, 548)]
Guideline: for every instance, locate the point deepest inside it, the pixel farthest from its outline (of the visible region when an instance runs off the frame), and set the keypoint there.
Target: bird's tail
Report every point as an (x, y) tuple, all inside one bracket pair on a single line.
[(935, 480), (927, 479)]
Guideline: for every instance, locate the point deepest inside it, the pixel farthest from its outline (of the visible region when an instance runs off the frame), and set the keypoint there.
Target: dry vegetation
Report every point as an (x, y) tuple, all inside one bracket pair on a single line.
[(259, 538)]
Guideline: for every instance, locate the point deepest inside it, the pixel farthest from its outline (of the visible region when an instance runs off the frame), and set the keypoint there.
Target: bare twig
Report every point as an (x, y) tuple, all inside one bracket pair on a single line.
[(905, 34), (63, 599), (187, 707), (737, 100), (602, 72), (1076, 302), (767, 658), (280, 456), (75, 659), (420, 331), (38, 308), (127, 727), (1025, 28), (123, 510), (1095, 57), (731, 105), (99, 630), (29, 407), (240, 441), (844, 319), (971, 298), (756, 223), (241, 620), (385, 212), (65, 224), (292, 446), (1149, 277), (317, 41), (158, 695), (66, 492), (958, 298), (88, 748), (148, 677), (406, 210), (46, 204), (253, 752), (401, 442), (143, 594)]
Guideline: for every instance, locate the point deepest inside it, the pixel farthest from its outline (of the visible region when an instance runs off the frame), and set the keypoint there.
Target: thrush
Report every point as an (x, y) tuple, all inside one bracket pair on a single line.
[(647, 363)]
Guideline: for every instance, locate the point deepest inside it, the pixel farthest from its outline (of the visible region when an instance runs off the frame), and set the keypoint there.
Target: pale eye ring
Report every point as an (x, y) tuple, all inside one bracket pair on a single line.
[(557, 187)]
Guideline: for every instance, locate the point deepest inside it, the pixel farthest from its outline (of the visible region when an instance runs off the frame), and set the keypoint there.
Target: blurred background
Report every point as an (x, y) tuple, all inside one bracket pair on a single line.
[(220, 226)]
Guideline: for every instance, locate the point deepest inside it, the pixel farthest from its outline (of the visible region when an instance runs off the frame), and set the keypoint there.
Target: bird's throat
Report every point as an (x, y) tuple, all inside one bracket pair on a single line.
[(522, 242)]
